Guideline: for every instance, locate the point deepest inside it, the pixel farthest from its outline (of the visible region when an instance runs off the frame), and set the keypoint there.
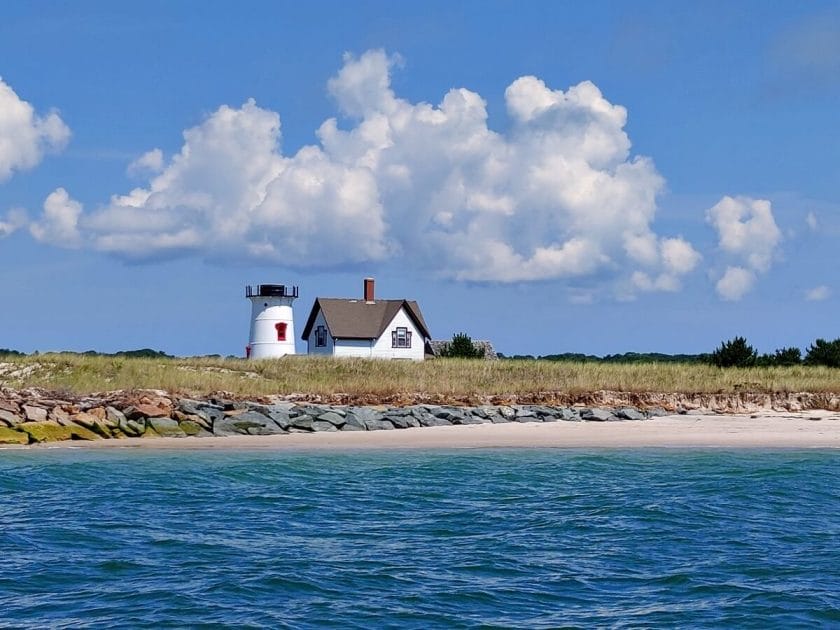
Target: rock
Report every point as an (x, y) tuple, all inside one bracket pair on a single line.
[(524, 414), (133, 428), (506, 412), (628, 413), (91, 423), (656, 412), (355, 425), (352, 423), (166, 427), (567, 415), (281, 418), (189, 406), (323, 425), (61, 416), (114, 417), (453, 414), (468, 419), (181, 417), (333, 418), (34, 414), (246, 423), (82, 433), (497, 418), (211, 414), (362, 414), (97, 412), (194, 429), (402, 421), (306, 410), (46, 431), (303, 423), (597, 415), (204, 410), (143, 410), (434, 421), (10, 436), (49, 431), (8, 405), (10, 419), (378, 424)]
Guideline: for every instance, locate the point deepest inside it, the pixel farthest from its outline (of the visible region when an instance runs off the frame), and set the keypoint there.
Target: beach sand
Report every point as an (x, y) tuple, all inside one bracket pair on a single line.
[(812, 429)]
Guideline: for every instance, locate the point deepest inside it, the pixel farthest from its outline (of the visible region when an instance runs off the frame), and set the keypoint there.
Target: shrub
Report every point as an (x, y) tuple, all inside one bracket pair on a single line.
[(824, 352), (462, 347), (787, 356), (734, 353)]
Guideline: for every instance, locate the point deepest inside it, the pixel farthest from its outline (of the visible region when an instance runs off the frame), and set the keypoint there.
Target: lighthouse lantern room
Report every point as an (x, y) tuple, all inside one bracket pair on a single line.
[(272, 321)]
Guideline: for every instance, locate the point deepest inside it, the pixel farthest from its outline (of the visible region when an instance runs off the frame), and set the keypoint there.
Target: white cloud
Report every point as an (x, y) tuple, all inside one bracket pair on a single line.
[(59, 223), (677, 257), (811, 221), (818, 294), (25, 136), (735, 283), (747, 232), (150, 163), (747, 229), (12, 222), (558, 196)]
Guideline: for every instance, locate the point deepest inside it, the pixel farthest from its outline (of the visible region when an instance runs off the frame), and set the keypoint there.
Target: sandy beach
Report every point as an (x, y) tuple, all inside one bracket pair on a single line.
[(813, 429)]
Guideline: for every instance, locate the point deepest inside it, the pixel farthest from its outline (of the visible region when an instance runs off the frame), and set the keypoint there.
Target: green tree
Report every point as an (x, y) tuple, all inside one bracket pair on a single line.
[(823, 352), (734, 353), (462, 347), (787, 356)]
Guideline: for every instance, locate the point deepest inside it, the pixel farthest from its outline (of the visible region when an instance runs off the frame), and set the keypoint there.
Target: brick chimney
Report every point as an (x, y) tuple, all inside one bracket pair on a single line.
[(369, 298)]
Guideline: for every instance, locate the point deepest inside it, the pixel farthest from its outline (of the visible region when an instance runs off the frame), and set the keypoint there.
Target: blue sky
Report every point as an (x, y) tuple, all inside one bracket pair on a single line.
[(615, 177)]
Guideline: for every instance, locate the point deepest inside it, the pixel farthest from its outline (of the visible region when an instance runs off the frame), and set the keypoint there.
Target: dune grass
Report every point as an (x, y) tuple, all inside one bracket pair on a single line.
[(441, 377)]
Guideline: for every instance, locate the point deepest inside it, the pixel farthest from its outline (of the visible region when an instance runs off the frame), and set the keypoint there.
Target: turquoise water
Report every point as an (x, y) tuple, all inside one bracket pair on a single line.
[(536, 538)]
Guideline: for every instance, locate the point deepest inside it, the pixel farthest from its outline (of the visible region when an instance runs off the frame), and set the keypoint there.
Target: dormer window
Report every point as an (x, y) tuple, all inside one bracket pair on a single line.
[(401, 338), (320, 337)]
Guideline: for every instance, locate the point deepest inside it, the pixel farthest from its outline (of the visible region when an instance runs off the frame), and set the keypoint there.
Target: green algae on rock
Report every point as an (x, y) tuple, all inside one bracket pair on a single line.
[(10, 436)]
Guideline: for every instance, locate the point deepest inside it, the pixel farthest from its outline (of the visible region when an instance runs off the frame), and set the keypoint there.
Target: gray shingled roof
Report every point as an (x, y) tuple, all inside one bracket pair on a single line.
[(357, 319)]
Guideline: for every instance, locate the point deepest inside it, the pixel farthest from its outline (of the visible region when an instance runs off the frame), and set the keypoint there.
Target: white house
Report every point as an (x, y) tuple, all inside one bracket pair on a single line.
[(371, 328)]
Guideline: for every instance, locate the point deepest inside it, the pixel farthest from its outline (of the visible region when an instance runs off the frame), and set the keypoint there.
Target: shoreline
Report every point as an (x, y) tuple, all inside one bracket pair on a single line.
[(804, 430)]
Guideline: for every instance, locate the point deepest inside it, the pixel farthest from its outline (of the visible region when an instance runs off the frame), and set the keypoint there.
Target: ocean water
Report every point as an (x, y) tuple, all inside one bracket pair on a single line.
[(406, 539)]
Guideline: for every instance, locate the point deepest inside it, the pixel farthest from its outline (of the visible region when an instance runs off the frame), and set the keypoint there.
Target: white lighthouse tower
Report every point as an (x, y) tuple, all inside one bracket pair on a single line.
[(272, 321)]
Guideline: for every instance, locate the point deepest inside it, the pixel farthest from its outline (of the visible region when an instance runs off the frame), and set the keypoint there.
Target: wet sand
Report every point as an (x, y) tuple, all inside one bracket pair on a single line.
[(812, 429)]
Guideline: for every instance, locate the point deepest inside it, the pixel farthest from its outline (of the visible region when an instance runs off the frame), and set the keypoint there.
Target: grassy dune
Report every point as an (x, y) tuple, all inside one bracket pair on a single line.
[(442, 377)]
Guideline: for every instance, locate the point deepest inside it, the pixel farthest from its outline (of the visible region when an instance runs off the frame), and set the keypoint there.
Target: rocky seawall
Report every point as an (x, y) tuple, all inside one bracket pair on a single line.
[(35, 416)]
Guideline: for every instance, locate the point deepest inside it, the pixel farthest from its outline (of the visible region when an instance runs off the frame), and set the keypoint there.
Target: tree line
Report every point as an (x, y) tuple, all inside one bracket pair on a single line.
[(738, 353)]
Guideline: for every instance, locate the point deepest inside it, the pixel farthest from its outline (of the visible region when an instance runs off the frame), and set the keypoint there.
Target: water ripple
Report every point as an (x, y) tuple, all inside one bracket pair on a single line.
[(537, 539)]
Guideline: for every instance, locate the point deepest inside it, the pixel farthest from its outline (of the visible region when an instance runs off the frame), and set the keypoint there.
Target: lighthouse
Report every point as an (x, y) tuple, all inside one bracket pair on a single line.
[(272, 321)]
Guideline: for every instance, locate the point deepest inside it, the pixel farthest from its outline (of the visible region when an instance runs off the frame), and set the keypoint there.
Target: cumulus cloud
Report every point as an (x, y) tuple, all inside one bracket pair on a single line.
[(818, 294), (59, 223), (811, 221), (12, 222), (150, 163), (558, 196), (747, 232), (25, 136), (678, 258), (735, 283)]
